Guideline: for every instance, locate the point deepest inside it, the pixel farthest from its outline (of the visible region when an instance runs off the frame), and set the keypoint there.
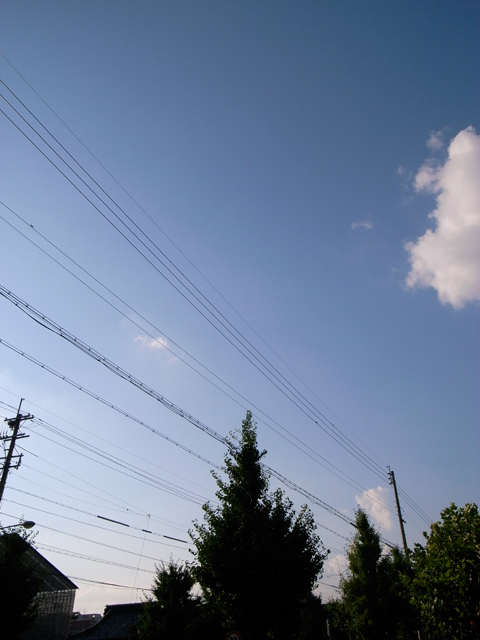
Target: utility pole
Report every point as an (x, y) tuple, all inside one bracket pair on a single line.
[(399, 510), (13, 423)]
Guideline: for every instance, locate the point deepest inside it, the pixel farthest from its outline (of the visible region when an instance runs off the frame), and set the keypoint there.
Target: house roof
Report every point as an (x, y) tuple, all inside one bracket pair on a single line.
[(119, 622), (53, 578)]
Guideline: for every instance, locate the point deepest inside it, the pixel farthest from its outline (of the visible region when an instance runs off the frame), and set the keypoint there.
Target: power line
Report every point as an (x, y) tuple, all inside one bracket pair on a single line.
[(107, 403), (164, 521), (344, 477), (416, 509), (156, 224), (279, 476), (102, 544), (89, 524), (270, 471), (332, 586), (286, 388), (148, 479), (114, 368), (122, 508), (171, 241), (86, 445), (130, 510), (414, 505), (108, 584), (78, 488), (125, 375), (290, 387), (82, 556), (411, 503), (62, 433), (75, 498), (94, 515)]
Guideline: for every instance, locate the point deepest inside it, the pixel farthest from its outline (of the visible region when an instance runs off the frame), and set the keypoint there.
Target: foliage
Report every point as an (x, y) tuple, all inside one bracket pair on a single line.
[(256, 560), (313, 619), (174, 613), (170, 614), (19, 584), (446, 586), (336, 615), (374, 597)]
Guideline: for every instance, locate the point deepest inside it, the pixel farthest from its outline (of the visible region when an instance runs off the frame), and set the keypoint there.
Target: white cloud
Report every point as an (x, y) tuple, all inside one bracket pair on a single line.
[(447, 258), (156, 344), (426, 177), (375, 503), (363, 226), (435, 141), (334, 567), (152, 343)]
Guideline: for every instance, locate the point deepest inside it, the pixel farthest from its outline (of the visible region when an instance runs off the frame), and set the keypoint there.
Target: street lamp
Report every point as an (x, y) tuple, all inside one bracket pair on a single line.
[(26, 524)]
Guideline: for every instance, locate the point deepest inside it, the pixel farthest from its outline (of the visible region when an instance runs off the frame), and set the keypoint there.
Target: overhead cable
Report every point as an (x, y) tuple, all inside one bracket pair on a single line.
[(125, 375), (286, 388), (162, 231), (89, 524), (314, 455)]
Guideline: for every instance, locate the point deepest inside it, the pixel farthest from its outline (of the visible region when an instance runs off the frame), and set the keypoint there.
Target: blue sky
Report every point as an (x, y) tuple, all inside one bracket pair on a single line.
[(291, 159)]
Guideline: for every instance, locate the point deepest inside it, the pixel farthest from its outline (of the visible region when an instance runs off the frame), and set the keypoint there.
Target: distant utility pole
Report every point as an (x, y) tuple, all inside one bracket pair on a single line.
[(399, 510), (13, 423)]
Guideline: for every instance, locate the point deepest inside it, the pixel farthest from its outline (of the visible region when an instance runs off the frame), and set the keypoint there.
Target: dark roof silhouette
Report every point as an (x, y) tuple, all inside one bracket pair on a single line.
[(83, 621), (53, 578), (119, 622)]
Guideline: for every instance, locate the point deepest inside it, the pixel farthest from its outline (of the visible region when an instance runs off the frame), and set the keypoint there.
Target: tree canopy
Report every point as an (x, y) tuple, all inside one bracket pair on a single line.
[(374, 598), (174, 613), (446, 584), (256, 560), (19, 585)]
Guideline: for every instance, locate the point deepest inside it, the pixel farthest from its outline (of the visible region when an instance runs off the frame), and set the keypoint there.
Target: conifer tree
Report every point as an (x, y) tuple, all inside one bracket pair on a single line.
[(172, 612), (375, 601), (256, 560)]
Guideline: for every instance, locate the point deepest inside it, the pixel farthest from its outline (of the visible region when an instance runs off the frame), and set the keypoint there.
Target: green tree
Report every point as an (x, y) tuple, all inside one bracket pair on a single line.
[(170, 613), (174, 613), (255, 559), (19, 585), (313, 619), (374, 597), (446, 584), (337, 624)]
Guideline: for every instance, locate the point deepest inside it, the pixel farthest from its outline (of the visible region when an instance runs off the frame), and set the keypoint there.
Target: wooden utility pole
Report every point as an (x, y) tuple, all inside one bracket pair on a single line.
[(14, 424), (399, 511)]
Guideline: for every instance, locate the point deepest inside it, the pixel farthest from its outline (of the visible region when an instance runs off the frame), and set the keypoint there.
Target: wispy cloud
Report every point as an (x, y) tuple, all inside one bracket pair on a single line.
[(364, 225), (447, 258), (151, 343), (426, 176), (159, 344), (375, 503), (435, 140)]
